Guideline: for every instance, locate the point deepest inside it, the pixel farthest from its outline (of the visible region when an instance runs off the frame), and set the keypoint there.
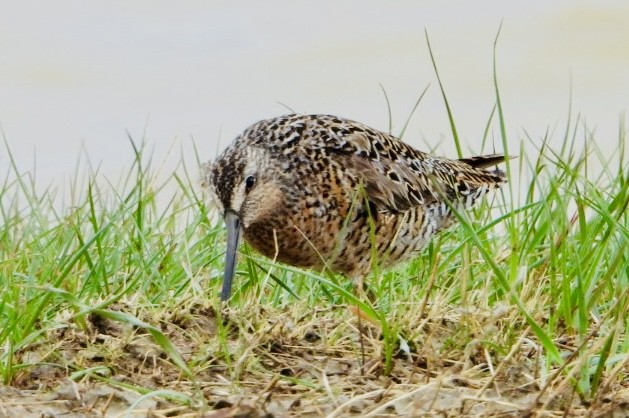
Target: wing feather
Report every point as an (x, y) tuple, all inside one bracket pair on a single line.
[(397, 177)]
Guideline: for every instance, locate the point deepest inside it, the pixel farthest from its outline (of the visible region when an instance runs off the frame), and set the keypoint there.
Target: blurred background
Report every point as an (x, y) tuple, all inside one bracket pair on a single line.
[(79, 75)]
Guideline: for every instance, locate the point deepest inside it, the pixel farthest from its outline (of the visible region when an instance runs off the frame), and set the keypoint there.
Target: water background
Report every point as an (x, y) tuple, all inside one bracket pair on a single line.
[(78, 76)]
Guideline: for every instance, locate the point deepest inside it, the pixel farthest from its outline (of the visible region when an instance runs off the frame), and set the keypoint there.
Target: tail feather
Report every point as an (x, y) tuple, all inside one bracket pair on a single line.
[(484, 161)]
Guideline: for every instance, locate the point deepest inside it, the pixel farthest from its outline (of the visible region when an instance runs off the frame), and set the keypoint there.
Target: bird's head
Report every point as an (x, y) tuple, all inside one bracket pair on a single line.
[(242, 184)]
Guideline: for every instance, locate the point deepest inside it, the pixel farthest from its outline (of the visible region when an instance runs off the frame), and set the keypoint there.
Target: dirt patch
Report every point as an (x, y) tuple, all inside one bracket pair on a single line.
[(283, 363)]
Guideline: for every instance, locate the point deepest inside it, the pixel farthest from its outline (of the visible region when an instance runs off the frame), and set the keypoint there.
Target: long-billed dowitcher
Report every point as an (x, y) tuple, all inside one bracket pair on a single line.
[(321, 191)]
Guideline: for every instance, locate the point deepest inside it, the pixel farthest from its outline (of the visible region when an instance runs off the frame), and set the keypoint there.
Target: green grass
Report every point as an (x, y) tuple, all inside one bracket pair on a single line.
[(550, 269), (528, 295)]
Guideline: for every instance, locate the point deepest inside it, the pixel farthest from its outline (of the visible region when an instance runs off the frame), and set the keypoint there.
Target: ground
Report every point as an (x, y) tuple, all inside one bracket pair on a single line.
[(286, 363)]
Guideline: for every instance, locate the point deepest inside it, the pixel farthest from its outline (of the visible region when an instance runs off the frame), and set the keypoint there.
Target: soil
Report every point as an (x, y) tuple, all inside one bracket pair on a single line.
[(281, 364)]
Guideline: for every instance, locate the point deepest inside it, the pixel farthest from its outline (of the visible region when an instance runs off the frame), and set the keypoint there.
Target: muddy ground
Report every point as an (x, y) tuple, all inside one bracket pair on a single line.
[(273, 365)]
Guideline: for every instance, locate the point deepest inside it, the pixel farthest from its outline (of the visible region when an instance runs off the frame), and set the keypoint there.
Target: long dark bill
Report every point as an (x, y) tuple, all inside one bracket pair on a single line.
[(233, 238)]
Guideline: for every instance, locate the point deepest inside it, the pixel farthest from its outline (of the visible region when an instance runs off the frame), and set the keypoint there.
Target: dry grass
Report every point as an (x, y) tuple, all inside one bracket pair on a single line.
[(297, 361)]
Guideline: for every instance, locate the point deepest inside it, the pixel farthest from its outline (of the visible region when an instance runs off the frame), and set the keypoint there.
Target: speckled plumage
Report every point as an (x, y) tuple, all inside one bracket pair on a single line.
[(303, 189)]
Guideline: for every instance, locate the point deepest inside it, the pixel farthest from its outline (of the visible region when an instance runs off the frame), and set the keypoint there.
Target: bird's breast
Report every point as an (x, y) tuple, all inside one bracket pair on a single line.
[(305, 229)]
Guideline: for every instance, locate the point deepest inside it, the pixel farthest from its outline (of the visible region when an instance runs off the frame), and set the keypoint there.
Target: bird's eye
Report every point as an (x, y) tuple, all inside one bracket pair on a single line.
[(249, 183)]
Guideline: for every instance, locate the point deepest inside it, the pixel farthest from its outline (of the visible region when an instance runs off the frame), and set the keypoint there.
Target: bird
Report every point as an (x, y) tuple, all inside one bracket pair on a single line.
[(323, 192)]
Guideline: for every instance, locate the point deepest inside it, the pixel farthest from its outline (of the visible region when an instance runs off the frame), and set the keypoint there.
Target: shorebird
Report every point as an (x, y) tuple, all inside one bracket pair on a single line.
[(320, 191)]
